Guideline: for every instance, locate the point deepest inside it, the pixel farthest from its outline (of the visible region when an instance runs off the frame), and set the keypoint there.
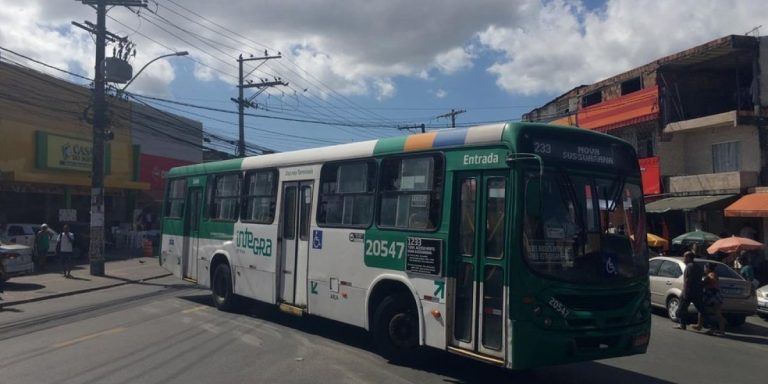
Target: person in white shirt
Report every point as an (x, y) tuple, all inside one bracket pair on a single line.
[(64, 247)]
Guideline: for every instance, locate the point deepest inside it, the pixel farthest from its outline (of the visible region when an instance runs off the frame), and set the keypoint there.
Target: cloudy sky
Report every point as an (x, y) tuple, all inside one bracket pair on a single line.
[(359, 69)]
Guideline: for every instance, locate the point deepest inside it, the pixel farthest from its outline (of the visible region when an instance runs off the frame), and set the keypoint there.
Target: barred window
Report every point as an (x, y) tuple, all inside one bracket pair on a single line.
[(226, 197), (411, 192), (346, 194), (174, 204), (260, 197)]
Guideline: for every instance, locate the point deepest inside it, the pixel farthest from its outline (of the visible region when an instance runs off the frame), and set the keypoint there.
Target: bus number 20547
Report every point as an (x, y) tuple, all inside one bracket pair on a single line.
[(384, 248)]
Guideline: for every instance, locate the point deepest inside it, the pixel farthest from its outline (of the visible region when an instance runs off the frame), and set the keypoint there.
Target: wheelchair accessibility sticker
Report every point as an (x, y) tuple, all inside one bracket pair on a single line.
[(317, 239)]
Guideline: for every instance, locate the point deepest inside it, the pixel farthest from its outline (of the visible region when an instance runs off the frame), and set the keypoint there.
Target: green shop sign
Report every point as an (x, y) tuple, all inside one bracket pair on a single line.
[(66, 153)]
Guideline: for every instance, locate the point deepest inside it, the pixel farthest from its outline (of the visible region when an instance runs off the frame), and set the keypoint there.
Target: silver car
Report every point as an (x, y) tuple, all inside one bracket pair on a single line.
[(666, 275), (15, 259), (762, 302)]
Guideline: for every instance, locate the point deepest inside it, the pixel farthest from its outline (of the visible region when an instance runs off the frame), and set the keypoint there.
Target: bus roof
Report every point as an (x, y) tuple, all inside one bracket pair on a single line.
[(474, 136)]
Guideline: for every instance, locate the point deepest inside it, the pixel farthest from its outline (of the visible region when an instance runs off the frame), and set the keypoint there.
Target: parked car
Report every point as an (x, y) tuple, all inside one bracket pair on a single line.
[(24, 234), (15, 260), (666, 276), (762, 302)]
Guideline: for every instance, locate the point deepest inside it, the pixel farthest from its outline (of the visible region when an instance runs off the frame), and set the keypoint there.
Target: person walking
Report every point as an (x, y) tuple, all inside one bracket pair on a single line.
[(64, 248), (713, 300), (692, 290), (41, 246), (746, 271)]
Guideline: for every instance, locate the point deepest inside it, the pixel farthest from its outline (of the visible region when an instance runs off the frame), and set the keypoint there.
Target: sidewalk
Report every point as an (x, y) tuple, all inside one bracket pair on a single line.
[(120, 268)]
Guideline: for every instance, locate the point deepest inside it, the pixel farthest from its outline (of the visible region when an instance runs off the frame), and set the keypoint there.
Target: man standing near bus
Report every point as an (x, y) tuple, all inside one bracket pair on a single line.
[(693, 290), (42, 243), (65, 245)]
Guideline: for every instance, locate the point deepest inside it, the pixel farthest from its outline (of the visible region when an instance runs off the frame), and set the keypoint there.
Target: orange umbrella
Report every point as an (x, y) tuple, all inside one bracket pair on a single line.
[(734, 244)]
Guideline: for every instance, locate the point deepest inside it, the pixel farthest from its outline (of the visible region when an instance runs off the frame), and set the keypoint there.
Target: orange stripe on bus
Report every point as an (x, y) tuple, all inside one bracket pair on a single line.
[(417, 142)]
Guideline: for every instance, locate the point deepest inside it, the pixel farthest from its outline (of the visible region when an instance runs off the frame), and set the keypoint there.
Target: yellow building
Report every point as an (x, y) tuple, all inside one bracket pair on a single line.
[(46, 145)]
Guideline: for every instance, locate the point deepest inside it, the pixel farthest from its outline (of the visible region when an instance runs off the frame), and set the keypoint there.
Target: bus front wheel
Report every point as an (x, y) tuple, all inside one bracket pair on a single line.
[(396, 327), (221, 289)]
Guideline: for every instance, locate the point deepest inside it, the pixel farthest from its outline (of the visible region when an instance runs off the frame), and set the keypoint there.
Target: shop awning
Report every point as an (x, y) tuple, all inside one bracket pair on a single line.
[(752, 205), (683, 203)]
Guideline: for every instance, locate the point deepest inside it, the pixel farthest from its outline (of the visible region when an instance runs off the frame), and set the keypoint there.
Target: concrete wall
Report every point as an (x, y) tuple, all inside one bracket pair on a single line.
[(162, 134), (690, 153)]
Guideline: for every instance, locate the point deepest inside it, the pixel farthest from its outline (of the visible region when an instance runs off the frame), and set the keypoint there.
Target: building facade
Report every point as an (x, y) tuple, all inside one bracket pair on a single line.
[(45, 152), (697, 121)]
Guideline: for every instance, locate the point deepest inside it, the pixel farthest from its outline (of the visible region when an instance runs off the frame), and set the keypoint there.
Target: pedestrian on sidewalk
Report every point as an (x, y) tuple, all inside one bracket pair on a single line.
[(41, 246), (713, 301), (692, 289), (64, 247)]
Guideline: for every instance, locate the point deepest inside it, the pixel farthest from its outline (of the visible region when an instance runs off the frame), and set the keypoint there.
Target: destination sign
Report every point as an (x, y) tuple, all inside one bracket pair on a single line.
[(585, 153), (582, 152)]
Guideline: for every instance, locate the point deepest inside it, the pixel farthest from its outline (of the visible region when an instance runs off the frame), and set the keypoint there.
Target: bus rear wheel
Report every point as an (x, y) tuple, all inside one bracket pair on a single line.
[(396, 327), (221, 289)]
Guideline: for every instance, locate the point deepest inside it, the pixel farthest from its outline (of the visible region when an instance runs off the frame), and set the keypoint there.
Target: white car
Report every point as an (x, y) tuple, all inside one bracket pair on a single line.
[(15, 260), (762, 302), (24, 234)]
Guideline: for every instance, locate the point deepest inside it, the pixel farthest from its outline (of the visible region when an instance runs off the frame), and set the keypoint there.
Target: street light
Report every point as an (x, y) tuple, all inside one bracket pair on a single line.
[(96, 250), (181, 53)]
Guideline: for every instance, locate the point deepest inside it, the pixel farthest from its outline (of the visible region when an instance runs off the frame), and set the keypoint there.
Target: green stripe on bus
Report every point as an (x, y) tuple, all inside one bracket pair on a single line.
[(212, 167), (389, 145)]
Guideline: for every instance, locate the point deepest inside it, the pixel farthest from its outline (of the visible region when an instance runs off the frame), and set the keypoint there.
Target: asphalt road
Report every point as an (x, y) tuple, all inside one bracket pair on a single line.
[(164, 331)]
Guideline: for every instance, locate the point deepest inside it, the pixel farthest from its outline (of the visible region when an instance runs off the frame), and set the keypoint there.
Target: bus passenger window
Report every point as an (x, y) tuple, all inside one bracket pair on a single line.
[(174, 205), (261, 197), (226, 197), (411, 188), (346, 194)]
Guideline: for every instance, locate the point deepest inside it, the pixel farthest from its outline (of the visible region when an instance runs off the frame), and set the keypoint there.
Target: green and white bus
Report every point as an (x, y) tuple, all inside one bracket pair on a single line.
[(521, 245)]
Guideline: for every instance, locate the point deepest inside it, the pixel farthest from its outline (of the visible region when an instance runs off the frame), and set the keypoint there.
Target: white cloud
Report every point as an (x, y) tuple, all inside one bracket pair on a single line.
[(441, 93), (563, 45), (362, 47), (385, 89), (454, 60)]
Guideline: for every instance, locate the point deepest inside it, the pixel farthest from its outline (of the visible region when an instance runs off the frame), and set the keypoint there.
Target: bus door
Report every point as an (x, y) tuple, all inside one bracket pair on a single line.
[(479, 263), (295, 217), (191, 233)]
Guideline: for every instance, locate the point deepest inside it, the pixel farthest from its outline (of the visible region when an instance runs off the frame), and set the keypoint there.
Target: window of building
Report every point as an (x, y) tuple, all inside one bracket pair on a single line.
[(645, 144), (591, 99), (174, 205), (411, 190), (631, 85), (225, 197), (725, 156), (346, 194), (260, 197)]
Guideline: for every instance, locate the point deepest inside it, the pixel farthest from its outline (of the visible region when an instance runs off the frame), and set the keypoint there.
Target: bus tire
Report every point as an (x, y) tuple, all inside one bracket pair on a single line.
[(221, 289), (396, 327)]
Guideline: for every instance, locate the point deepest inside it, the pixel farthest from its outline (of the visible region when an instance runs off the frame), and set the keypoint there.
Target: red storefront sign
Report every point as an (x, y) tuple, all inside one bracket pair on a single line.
[(650, 171), (152, 170)]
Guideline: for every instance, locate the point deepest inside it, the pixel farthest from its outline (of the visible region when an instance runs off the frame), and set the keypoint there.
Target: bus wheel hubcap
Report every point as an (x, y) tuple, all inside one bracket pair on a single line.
[(401, 330)]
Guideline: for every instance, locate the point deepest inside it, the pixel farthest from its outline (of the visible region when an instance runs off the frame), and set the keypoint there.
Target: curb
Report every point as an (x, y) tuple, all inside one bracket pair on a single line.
[(79, 291)]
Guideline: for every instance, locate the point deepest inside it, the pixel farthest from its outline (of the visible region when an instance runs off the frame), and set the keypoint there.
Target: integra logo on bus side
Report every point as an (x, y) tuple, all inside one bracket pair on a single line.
[(260, 246)]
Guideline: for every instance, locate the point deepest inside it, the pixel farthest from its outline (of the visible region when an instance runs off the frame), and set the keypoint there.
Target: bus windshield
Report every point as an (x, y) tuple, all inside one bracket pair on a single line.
[(584, 229)]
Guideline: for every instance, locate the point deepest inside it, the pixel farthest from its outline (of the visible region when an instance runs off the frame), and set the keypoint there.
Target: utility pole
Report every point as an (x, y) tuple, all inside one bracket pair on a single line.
[(96, 250), (452, 114), (242, 102)]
